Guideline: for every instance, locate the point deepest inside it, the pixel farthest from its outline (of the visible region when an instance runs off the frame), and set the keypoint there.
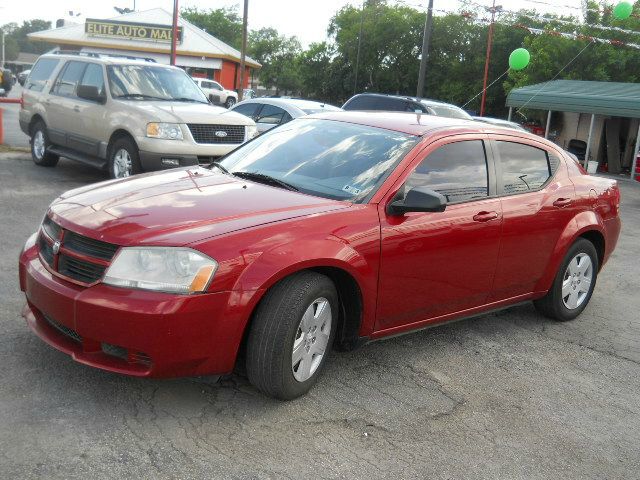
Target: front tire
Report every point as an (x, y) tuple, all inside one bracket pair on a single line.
[(574, 283), (230, 102), (291, 335), (124, 158), (39, 145)]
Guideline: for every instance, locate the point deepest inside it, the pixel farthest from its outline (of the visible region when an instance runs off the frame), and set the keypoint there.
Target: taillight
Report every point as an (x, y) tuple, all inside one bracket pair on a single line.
[(615, 201)]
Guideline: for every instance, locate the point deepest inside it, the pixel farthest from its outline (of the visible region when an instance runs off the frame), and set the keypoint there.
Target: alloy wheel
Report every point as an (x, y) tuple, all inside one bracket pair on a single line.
[(122, 164), (311, 340), (576, 282), (39, 145)]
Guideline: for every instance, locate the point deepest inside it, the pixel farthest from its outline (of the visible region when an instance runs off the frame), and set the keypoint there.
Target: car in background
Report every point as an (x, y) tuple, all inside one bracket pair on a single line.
[(500, 123), (399, 103), (123, 115), (216, 93), (327, 232), (22, 76), (248, 93), (271, 112)]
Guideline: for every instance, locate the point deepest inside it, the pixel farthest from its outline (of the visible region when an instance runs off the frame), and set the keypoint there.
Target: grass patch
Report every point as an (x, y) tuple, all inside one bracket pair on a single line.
[(8, 149)]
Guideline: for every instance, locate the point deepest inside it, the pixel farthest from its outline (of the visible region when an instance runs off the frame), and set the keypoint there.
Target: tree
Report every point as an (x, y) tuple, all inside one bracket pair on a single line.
[(278, 56), (16, 39), (223, 23)]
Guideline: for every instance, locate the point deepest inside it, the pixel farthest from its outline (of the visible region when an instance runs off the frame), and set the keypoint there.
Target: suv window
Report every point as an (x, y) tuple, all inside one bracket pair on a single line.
[(94, 77), (270, 114), (456, 170), (216, 86), (372, 102), (205, 84), (524, 168), (69, 78), (248, 109), (40, 73)]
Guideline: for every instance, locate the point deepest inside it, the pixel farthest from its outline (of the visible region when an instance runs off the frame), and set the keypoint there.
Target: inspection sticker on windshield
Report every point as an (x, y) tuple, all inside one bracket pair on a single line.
[(352, 190)]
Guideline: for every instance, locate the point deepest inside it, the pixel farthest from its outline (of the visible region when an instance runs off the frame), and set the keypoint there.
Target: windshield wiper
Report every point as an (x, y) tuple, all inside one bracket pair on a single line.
[(141, 95), (187, 99), (220, 167), (267, 179)]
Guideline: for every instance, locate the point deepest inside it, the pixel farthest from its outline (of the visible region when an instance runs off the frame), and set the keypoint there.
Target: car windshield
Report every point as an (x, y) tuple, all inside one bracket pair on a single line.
[(152, 82), (450, 112), (330, 159)]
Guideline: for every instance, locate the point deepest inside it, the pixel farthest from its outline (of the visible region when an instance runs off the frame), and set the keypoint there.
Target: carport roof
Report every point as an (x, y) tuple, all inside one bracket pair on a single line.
[(602, 98)]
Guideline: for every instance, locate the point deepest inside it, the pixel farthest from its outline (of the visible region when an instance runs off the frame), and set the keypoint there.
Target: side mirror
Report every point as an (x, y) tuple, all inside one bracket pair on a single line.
[(418, 199), (91, 92)]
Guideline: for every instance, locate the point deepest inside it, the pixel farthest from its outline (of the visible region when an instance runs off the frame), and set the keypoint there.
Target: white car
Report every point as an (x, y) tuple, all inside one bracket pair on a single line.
[(216, 93)]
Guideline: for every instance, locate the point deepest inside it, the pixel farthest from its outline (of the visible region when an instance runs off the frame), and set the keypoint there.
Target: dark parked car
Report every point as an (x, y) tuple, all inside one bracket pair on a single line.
[(397, 103), (326, 232)]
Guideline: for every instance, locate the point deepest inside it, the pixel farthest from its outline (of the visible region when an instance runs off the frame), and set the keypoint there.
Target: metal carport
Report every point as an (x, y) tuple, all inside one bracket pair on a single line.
[(597, 98)]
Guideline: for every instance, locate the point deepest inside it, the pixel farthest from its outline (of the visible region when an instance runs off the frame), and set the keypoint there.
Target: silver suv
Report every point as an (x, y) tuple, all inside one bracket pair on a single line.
[(124, 115)]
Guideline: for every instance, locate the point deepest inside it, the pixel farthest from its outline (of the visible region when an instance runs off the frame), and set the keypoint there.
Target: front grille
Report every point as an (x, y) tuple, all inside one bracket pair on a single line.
[(126, 355), (80, 258), (206, 133), (89, 246), (66, 331), (78, 269)]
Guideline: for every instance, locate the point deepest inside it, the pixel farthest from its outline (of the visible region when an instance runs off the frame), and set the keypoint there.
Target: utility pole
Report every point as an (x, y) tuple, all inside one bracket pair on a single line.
[(426, 38), (2, 64), (243, 51), (174, 35), (493, 11), (355, 82)]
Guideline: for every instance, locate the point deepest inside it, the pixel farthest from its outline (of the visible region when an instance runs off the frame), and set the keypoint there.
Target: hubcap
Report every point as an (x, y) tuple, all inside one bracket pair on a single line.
[(312, 339), (38, 145), (577, 281), (122, 165)]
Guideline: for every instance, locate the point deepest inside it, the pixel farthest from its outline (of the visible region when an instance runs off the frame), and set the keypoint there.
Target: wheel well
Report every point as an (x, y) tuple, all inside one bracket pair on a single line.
[(597, 239), (35, 119), (120, 133)]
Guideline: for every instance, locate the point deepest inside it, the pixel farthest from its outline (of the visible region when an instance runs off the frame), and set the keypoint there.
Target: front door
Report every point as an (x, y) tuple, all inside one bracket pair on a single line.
[(433, 264), (89, 117)]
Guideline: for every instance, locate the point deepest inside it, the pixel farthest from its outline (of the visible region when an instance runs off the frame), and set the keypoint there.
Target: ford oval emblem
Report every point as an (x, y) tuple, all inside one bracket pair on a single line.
[(220, 133), (56, 247)]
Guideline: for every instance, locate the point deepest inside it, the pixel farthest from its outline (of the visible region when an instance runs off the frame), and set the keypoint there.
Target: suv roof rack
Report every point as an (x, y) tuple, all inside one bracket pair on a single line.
[(99, 55)]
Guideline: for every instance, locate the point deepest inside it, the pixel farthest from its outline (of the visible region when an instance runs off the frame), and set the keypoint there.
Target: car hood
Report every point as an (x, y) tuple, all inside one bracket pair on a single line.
[(188, 112), (178, 207)]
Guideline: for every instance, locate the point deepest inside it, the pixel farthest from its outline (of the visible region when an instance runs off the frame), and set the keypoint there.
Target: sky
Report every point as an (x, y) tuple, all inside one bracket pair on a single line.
[(306, 19)]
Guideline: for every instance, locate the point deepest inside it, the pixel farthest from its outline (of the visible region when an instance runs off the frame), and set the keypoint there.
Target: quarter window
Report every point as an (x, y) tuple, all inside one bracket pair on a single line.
[(68, 80), (40, 73), (456, 170), (524, 168)]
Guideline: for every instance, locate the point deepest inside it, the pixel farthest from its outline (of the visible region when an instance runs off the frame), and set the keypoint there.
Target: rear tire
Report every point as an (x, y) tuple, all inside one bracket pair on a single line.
[(573, 286), (39, 145), (124, 158), (292, 334), (230, 102)]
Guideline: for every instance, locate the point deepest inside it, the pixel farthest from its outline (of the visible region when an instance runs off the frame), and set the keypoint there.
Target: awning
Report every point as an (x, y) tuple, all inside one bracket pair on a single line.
[(601, 98)]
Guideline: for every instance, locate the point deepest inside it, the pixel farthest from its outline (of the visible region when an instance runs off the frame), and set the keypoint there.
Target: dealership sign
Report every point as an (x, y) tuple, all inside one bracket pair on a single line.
[(130, 30)]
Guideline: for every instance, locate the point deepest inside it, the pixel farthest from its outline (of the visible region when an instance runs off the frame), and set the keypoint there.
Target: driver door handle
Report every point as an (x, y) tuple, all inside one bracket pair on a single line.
[(562, 202), (485, 216)]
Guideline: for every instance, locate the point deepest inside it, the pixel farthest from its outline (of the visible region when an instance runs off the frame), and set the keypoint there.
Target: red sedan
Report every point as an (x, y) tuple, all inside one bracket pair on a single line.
[(324, 233)]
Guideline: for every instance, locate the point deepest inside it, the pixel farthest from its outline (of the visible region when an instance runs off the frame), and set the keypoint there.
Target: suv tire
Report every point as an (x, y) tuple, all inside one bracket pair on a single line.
[(230, 102), (39, 145), (291, 335), (124, 158), (574, 283)]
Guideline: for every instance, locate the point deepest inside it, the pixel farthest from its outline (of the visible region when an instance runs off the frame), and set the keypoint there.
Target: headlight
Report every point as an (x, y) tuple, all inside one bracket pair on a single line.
[(252, 131), (163, 269), (167, 131)]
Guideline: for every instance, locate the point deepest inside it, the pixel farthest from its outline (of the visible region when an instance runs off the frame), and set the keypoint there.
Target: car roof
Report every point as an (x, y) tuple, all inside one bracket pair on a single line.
[(426, 101), (300, 103), (418, 124)]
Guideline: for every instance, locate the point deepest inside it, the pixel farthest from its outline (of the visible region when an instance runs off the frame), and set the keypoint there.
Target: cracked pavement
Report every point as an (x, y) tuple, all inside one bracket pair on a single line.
[(502, 396)]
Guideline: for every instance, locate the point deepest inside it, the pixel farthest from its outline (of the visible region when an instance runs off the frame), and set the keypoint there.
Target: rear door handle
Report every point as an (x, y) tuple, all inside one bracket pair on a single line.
[(485, 216), (562, 202)]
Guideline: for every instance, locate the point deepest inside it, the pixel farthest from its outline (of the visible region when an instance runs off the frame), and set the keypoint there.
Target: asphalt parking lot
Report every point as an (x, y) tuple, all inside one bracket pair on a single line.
[(503, 396)]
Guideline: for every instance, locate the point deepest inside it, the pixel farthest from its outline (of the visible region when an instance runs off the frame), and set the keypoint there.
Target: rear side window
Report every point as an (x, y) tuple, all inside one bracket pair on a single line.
[(40, 73), (248, 109), (371, 102), (69, 78), (270, 114), (524, 168), (456, 170)]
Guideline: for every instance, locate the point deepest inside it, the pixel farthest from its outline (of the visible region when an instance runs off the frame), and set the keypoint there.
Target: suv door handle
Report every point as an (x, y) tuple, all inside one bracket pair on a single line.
[(485, 216), (562, 202), (76, 108)]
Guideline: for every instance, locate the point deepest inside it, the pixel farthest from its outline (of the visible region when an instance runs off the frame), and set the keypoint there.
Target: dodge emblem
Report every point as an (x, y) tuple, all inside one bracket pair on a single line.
[(56, 247), (220, 133)]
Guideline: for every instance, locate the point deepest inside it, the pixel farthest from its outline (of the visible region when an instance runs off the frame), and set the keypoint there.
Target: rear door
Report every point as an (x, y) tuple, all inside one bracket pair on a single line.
[(538, 202), (437, 263), (63, 119)]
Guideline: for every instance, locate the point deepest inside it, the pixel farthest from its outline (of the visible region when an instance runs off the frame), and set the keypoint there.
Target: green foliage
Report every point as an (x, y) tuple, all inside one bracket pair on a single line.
[(279, 58), (16, 39), (223, 23)]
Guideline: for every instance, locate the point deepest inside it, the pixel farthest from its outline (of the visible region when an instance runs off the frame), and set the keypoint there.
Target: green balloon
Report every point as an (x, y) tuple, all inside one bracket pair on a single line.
[(519, 58), (623, 10)]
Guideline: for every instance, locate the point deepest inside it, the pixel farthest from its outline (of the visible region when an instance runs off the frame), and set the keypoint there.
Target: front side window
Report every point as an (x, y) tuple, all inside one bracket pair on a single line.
[(524, 168), (69, 78), (456, 170), (40, 73), (152, 82), (329, 159), (93, 77)]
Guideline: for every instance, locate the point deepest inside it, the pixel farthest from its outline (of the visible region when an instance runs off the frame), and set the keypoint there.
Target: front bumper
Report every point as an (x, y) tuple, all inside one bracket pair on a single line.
[(134, 332)]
